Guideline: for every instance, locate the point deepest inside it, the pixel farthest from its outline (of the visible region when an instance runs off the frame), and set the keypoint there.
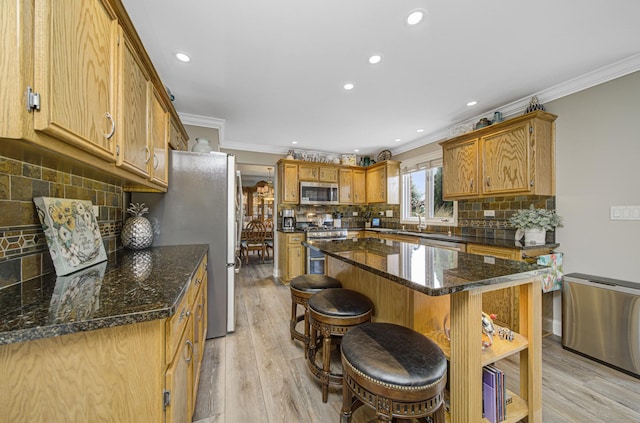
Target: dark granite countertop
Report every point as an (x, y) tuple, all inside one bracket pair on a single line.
[(494, 242), (131, 287), (430, 270)]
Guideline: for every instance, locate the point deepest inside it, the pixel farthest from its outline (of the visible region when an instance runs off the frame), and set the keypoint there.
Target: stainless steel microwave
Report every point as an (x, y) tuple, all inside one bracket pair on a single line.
[(318, 193)]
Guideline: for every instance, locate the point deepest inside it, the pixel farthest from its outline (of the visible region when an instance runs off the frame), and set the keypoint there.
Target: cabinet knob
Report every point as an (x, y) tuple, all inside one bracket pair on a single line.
[(531, 183), (113, 126), (488, 181)]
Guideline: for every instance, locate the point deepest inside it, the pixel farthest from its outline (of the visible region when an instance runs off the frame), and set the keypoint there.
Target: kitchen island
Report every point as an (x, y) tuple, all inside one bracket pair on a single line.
[(119, 341), (438, 292)]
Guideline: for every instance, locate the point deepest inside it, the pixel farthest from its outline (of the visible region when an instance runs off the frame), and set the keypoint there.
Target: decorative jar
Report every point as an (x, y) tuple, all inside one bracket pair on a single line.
[(202, 146), (137, 232)]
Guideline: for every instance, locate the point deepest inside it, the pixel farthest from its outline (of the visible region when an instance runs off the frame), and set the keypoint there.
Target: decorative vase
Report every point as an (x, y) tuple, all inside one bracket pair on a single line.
[(202, 146), (535, 236), (137, 232)]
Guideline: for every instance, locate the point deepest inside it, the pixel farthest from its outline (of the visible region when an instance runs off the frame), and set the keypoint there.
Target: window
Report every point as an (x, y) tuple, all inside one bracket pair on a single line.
[(421, 200)]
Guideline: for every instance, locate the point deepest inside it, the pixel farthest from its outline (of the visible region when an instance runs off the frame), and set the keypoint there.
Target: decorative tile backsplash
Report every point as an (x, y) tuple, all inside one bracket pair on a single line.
[(23, 250)]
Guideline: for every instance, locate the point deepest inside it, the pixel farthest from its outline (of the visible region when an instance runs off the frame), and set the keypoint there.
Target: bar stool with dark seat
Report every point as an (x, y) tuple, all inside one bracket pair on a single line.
[(333, 312), (302, 288), (397, 371)]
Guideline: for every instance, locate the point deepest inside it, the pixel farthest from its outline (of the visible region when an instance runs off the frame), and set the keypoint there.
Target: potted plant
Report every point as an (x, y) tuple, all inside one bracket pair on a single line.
[(535, 223)]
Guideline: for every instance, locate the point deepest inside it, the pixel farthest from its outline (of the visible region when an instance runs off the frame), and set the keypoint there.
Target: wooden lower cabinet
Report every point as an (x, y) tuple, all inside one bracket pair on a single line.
[(291, 255), (131, 373), (504, 303)]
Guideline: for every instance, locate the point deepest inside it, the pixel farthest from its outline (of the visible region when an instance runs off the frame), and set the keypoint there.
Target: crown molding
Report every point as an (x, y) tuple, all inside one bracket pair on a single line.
[(205, 122), (588, 80)]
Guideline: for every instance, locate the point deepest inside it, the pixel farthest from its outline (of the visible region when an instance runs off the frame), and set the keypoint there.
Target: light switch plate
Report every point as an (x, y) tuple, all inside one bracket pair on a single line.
[(489, 260), (389, 213), (489, 213), (96, 211), (625, 213), (355, 214)]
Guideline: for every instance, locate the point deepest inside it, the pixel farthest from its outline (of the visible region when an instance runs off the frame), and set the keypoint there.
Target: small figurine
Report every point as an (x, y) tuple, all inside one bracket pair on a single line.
[(487, 328)]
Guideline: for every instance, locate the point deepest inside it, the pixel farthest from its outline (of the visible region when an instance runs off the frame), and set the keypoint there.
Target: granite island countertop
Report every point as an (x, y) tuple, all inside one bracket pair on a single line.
[(430, 270), (130, 287), (464, 239)]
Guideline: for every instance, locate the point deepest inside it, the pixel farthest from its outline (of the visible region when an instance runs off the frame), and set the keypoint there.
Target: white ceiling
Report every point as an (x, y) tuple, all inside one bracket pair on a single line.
[(270, 72)]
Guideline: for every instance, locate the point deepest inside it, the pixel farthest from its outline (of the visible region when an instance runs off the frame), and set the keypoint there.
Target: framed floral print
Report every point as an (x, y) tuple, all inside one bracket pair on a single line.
[(72, 233)]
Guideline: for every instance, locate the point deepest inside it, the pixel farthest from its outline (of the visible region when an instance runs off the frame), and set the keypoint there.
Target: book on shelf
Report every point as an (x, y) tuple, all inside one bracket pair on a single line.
[(494, 394)]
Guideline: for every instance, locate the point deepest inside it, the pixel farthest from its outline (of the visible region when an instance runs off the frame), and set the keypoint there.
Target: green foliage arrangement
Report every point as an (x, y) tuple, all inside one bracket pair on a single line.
[(536, 218)]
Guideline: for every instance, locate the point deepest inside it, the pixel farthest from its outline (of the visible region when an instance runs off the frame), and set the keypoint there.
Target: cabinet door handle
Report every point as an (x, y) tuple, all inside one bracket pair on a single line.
[(146, 150), (190, 357), (488, 181), (531, 183), (471, 183), (113, 126), (182, 314), (156, 161)]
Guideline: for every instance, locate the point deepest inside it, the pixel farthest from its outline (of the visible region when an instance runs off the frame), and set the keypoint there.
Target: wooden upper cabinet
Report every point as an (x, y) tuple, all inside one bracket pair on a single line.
[(460, 169), (75, 48), (505, 160), (383, 183), (133, 150), (158, 138), (288, 183), (345, 184), (358, 190), (177, 141), (513, 157), (308, 172), (328, 174)]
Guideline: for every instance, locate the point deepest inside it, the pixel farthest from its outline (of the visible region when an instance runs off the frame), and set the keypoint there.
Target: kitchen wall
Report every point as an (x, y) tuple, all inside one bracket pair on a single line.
[(23, 250), (597, 166)]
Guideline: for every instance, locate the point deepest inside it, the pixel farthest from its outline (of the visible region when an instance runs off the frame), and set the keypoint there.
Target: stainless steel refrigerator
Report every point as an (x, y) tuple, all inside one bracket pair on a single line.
[(202, 206)]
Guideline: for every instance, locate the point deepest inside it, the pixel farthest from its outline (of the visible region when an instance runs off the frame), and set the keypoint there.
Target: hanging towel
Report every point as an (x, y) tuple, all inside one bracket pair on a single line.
[(551, 281)]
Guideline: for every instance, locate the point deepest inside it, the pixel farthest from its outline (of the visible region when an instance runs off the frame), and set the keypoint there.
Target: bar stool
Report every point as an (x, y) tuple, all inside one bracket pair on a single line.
[(395, 370), (302, 288), (332, 312)]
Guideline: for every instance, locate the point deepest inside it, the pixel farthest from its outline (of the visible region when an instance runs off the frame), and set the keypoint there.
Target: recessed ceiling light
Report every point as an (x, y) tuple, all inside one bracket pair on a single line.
[(420, 130), (415, 17), (183, 57), (397, 139), (472, 103), (356, 150), (294, 142), (348, 86), (376, 58)]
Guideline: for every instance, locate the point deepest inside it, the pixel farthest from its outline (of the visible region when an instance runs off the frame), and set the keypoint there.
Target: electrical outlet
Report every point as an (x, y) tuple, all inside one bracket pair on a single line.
[(96, 211), (380, 213), (354, 214), (389, 213), (489, 213)]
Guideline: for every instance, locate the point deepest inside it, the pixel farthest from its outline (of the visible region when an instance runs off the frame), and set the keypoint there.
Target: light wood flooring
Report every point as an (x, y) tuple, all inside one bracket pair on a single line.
[(258, 374)]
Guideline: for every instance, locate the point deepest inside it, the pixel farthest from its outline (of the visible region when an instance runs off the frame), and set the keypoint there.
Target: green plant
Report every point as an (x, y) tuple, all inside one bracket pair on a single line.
[(536, 218)]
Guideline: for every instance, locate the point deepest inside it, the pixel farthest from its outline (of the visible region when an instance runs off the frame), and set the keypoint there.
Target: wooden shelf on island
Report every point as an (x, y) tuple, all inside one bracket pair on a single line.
[(516, 411), (500, 348)]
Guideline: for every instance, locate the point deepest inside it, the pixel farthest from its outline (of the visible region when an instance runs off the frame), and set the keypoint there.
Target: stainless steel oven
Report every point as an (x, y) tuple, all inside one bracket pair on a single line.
[(315, 259)]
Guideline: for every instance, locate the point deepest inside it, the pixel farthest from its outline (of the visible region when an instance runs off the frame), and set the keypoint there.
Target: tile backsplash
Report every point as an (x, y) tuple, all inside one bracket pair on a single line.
[(23, 250), (471, 218)]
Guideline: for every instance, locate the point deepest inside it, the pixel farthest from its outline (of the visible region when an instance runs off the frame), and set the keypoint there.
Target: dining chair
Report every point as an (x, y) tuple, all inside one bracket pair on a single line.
[(254, 239), (268, 241)]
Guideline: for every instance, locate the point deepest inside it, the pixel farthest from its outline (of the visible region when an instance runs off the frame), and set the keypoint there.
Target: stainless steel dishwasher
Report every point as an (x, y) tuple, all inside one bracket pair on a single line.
[(601, 320)]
